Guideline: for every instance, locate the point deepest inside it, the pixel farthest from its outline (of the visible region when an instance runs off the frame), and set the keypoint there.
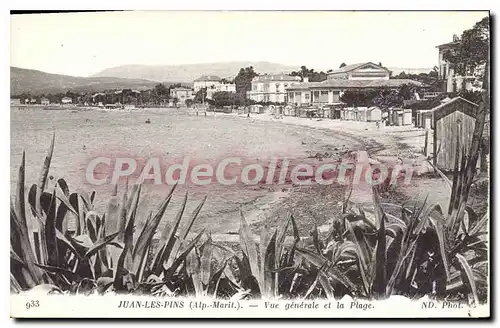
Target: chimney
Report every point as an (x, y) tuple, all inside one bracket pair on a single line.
[(306, 79)]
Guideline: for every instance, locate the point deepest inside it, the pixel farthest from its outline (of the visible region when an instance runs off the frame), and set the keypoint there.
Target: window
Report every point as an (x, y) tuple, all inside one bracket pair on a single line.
[(307, 96), (336, 96)]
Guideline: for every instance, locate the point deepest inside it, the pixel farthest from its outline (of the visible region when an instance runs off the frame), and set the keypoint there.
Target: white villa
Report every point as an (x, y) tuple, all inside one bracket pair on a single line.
[(213, 84), (272, 87), (449, 81), (182, 94)]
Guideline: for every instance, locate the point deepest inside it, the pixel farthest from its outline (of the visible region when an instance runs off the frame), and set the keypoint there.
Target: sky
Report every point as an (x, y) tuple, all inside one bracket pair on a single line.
[(82, 44)]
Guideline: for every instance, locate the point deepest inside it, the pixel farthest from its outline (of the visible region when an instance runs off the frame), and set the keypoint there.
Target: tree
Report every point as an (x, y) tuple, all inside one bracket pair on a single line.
[(362, 98), (201, 96), (312, 75), (175, 100), (189, 102), (388, 98), (342, 65), (244, 79), (224, 98), (425, 78), (470, 55), (161, 93), (407, 91)]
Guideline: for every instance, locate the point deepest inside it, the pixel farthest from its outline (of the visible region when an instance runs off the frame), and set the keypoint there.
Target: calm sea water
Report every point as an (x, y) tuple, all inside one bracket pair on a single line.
[(82, 135)]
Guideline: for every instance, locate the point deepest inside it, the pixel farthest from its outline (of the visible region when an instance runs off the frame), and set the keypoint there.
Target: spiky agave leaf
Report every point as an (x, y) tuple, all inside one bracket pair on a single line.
[(166, 249), (380, 279), (470, 277), (184, 231), (46, 164), (321, 262), (249, 248), (146, 236), (205, 261), (18, 216), (101, 243), (170, 270), (268, 268), (50, 233)]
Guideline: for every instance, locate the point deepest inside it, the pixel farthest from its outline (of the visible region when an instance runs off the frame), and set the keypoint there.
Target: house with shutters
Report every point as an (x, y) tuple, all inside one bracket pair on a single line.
[(271, 87), (448, 80)]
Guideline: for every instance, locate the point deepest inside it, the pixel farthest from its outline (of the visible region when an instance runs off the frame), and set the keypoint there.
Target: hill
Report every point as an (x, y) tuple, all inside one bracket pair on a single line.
[(38, 82), (190, 72)]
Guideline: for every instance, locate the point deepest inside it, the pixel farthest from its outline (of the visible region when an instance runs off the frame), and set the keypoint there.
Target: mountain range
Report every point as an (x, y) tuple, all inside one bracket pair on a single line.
[(190, 72), (38, 82)]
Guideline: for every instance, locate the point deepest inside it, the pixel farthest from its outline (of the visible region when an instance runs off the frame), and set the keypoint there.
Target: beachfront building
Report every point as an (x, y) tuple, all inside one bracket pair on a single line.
[(213, 84), (206, 81), (350, 77), (299, 94), (67, 100), (182, 94), (448, 80), (271, 87), (45, 101), (360, 71), (15, 101)]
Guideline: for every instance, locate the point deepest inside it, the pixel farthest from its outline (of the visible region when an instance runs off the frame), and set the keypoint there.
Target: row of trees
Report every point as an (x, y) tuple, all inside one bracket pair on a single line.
[(429, 78), (158, 95), (380, 97)]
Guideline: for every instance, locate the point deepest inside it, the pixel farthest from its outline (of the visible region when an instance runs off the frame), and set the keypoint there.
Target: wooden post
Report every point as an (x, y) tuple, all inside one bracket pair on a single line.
[(426, 147)]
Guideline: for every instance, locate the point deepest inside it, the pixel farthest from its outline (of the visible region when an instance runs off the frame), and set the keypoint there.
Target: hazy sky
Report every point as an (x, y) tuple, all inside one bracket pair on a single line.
[(84, 43)]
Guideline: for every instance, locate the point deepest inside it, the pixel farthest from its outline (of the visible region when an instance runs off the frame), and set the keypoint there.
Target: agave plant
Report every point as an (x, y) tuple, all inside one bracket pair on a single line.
[(421, 251), (57, 239)]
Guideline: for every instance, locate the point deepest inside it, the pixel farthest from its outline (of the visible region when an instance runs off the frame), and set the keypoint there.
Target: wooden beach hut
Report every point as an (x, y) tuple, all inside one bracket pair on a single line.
[(424, 119), (350, 113), (407, 119), (373, 114), (257, 109), (361, 114), (453, 119)]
